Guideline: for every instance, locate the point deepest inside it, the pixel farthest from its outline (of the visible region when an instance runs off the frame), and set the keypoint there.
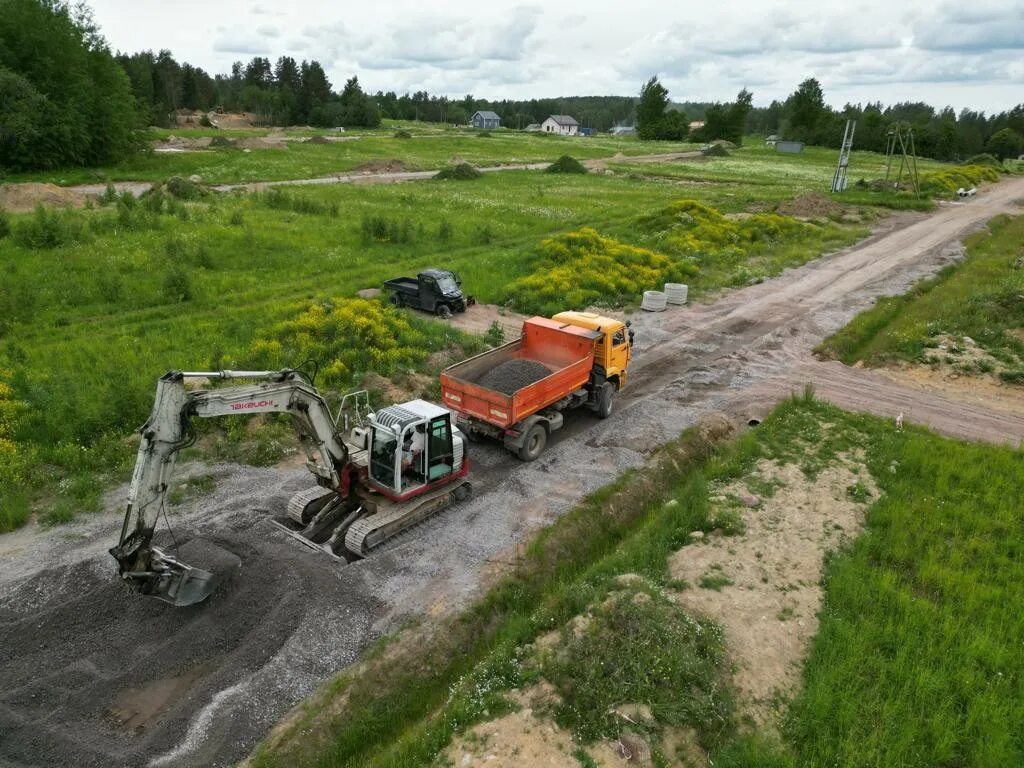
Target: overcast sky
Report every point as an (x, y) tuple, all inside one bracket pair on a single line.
[(966, 54)]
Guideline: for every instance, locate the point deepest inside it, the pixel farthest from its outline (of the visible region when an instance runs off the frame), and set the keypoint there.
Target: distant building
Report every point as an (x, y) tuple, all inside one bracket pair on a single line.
[(586, 131), (771, 141), (695, 125), (623, 130), (789, 147), (533, 127), (485, 119), (562, 124)]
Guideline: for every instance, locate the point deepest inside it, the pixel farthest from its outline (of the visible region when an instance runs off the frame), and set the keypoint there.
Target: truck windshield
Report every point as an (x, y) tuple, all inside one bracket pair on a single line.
[(447, 284), (382, 457)]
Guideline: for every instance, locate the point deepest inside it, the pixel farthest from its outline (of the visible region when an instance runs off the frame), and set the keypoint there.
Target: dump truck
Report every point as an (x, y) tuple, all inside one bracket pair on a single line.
[(432, 290), (517, 393)]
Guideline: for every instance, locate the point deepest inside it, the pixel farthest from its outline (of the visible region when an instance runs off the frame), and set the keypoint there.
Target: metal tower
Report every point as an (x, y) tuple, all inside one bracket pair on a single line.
[(839, 178), (901, 139)]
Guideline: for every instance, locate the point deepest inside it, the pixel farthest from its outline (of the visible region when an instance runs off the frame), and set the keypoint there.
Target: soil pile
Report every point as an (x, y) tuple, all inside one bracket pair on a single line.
[(811, 205), (715, 150), (317, 140), (513, 375), (256, 142), (380, 166), (21, 198)]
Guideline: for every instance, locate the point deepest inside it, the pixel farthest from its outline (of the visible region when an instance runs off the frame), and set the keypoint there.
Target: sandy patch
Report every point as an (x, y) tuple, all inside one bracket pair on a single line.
[(770, 597), (22, 198), (478, 319), (380, 166), (983, 390)]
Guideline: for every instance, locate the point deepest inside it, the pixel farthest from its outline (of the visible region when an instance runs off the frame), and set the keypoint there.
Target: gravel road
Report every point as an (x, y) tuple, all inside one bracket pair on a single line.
[(95, 676)]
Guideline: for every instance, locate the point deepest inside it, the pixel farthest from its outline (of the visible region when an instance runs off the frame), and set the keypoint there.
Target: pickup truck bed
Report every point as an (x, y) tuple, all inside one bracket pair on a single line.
[(403, 284), (567, 351)]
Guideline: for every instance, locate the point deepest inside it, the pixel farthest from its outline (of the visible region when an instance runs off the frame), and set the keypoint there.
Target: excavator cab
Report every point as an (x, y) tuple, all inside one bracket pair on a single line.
[(411, 446)]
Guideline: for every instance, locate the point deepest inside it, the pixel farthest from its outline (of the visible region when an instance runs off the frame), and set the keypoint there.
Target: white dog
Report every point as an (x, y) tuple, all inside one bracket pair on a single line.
[(899, 422)]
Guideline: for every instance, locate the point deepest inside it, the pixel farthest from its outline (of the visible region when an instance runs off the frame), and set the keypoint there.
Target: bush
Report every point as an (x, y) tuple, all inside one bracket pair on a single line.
[(945, 182), (444, 230), (460, 172), (583, 268), (347, 337), (177, 285), (983, 159), (5, 224), (282, 201), (183, 189), (49, 229), (566, 164), (381, 229), (403, 134), (204, 121)]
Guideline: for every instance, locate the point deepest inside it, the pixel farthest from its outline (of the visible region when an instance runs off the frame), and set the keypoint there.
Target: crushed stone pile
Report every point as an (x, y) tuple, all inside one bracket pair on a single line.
[(513, 375)]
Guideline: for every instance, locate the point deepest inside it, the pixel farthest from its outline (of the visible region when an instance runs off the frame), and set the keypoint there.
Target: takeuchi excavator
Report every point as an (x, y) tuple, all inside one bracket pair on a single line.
[(377, 473)]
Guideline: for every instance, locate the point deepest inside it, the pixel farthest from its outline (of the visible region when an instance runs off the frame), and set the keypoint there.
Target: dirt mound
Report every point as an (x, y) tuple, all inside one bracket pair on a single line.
[(461, 172), (233, 119), (566, 164), (381, 166), (221, 141), (725, 143), (810, 204), (513, 375), (715, 150), (256, 142), (317, 140), (21, 198)]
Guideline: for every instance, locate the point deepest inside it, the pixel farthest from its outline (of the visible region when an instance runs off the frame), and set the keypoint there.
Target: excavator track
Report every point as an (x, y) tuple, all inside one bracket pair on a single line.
[(368, 533), (298, 503)]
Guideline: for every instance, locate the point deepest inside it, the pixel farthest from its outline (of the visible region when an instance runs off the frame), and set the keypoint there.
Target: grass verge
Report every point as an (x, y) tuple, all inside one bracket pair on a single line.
[(980, 298), (921, 620)]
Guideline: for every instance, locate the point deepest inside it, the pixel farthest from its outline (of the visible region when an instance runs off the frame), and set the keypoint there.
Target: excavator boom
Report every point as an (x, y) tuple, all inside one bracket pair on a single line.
[(153, 571)]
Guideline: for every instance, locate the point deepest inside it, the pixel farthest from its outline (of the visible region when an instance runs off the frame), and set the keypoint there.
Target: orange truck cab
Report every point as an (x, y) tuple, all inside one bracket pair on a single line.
[(586, 357)]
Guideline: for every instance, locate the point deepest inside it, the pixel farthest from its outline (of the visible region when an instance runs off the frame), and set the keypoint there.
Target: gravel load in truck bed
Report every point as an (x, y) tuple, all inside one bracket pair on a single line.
[(513, 375)]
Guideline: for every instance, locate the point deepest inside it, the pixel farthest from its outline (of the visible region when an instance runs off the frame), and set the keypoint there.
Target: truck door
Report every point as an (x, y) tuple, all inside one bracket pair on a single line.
[(428, 293), (440, 453)]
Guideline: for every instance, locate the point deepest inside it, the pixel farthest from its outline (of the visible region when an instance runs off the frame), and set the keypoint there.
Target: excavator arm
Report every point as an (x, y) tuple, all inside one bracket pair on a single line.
[(149, 569)]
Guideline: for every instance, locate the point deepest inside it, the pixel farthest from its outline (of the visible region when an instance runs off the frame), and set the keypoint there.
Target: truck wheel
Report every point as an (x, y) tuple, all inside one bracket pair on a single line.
[(444, 312), (533, 445), (396, 301), (606, 401)]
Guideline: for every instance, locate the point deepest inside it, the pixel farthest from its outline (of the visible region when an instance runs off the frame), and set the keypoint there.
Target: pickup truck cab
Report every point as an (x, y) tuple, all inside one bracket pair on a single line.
[(432, 290)]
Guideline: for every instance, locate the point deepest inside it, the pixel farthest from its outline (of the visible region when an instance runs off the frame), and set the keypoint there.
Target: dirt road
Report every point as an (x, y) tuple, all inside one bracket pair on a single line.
[(137, 188), (96, 676)]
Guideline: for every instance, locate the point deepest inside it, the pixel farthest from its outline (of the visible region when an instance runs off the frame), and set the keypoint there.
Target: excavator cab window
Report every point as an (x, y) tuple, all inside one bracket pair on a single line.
[(384, 458), (440, 454)]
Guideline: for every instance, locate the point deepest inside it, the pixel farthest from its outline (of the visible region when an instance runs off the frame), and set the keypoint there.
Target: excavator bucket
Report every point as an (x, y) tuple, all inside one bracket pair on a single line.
[(169, 579)]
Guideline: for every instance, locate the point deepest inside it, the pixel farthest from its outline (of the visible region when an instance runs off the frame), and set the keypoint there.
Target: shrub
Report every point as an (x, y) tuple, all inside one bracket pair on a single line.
[(282, 201), (581, 268), (945, 182), (460, 172), (109, 196), (700, 232), (983, 159), (444, 231), (49, 229), (177, 285), (381, 229), (183, 189), (347, 337), (402, 134), (566, 164), (5, 224), (204, 121)]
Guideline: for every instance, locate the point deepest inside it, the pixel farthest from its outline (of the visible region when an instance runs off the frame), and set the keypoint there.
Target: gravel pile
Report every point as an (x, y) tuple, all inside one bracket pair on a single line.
[(513, 375)]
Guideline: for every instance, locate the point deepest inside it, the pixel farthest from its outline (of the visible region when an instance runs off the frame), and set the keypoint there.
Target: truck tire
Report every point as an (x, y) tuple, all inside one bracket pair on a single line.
[(534, 442), (606, 400), (396, 300), (444, 311)]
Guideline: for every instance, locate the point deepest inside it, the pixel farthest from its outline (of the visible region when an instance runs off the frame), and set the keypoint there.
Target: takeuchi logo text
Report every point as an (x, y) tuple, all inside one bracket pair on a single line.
[(252, 404)]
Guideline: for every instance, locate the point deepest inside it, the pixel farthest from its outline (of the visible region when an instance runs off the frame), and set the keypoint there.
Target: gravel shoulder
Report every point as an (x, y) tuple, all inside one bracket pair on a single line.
[(99, 676)]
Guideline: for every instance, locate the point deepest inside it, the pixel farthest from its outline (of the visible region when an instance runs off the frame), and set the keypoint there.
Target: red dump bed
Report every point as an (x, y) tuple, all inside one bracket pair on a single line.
[(566, 350)]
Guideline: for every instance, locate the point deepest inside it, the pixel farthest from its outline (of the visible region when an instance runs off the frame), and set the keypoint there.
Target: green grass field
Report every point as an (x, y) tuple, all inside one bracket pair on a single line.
[(979, 298), (916, 663), (97, 304), (426, 150)]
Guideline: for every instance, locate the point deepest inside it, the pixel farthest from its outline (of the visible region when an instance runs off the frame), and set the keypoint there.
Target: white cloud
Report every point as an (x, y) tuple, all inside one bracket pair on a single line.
[(963, 51)]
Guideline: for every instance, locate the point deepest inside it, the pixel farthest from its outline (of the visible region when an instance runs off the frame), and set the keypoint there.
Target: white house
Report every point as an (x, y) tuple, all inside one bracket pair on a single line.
[(562, 124)]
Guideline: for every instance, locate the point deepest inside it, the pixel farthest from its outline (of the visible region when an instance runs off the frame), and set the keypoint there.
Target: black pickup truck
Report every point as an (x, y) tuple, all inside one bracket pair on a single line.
[(432, 290)]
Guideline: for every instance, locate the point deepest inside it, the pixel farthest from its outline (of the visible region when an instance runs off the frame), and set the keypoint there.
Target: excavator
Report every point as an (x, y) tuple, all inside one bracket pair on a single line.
[(377, 473)]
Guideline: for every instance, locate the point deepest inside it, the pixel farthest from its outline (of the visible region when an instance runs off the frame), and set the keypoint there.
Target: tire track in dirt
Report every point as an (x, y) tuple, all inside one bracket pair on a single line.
[(58, 588)]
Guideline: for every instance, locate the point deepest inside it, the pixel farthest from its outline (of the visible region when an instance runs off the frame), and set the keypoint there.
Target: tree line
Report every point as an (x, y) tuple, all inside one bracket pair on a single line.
[(804, 116)]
